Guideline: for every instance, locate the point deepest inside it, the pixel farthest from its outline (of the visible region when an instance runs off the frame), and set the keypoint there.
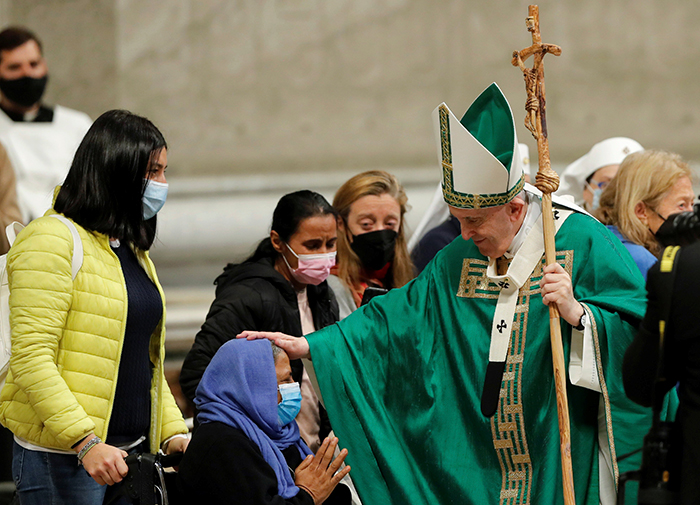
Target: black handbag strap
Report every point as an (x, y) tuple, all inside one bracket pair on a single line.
[(138, 484), (145, 484)]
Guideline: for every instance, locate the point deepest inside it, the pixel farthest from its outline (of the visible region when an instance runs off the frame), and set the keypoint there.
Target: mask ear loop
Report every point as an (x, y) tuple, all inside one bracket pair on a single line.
[(664, 219), (654, 211), (291, 250), (285, 259)]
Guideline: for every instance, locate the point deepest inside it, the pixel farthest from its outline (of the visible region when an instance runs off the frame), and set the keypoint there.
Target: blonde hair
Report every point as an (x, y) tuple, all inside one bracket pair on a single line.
[(645, 177), (374, 182)]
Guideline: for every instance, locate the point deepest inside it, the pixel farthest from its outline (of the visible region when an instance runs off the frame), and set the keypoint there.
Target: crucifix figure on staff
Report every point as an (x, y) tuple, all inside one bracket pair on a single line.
[(547, 181), (442, 390)]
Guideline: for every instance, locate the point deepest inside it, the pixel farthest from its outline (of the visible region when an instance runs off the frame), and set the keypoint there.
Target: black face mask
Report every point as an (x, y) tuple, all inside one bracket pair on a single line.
[(375, 249), (25, 91)]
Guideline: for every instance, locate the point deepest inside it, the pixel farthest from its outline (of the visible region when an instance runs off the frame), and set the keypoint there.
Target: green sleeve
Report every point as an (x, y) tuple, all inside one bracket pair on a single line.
[(368, 365)]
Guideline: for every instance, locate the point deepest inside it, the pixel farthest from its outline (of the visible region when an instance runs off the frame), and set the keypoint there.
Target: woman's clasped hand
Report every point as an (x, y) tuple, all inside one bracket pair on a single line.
[(318, 475)]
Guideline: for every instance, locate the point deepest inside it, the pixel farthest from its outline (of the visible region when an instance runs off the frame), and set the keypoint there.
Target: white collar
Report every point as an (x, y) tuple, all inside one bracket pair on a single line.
[(31, 116), (534, 211)]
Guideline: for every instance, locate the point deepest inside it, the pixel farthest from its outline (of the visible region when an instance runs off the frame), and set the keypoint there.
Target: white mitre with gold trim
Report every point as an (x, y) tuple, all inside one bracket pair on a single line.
[(479, 153)]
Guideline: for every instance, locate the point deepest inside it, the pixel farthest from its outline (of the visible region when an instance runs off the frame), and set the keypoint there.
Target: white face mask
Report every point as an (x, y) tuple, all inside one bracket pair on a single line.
[(312, 268)]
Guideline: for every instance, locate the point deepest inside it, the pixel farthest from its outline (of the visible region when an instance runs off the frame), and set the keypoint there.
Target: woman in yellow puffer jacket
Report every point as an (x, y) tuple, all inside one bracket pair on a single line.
[(86, 373)]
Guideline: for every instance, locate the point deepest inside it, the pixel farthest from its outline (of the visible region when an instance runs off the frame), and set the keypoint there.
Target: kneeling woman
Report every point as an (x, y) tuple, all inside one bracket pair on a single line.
[(247, 448)]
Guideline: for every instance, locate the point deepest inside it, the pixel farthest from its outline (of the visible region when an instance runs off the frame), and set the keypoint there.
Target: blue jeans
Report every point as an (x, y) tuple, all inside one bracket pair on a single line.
[(45, 478)]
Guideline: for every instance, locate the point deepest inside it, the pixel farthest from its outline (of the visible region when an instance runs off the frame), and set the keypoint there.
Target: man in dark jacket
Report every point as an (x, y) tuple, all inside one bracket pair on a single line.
[(681, 361)]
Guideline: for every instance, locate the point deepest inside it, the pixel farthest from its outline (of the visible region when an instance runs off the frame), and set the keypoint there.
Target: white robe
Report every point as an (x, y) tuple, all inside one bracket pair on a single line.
[(41, 154)]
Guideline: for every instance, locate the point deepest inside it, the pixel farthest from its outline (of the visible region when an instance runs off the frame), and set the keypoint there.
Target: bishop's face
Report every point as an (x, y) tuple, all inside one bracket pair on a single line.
[(492, 229)]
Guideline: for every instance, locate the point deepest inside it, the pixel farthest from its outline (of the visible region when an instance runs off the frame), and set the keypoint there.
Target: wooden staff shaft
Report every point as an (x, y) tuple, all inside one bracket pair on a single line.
[(558, 364), (538, 50)]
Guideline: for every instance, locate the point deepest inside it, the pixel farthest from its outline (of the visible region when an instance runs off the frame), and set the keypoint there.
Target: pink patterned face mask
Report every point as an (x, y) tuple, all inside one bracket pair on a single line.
[(313, 268)]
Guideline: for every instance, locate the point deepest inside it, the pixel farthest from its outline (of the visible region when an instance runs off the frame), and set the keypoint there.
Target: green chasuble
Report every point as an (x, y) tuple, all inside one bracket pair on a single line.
[(402, 380)]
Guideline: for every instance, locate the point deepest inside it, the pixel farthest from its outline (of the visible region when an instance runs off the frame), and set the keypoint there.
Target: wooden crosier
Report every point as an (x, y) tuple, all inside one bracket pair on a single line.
[(547, 181)]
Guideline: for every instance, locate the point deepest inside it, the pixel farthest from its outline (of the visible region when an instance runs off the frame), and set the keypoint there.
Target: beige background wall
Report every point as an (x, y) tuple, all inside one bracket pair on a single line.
[(261, 97), (243, 86)]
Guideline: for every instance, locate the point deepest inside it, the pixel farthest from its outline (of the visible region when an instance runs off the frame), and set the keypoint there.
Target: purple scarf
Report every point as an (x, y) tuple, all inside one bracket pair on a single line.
[(239, 389)]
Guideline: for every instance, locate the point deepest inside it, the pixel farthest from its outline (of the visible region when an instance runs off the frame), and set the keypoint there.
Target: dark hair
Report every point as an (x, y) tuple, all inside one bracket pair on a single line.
[(104, 188), (291, 210), (14, 36)]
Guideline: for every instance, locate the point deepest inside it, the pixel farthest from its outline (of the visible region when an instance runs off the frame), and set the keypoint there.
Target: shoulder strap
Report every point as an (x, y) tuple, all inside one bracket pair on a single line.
[(666, 279), (77, 244), (667, 268), (11, 231)]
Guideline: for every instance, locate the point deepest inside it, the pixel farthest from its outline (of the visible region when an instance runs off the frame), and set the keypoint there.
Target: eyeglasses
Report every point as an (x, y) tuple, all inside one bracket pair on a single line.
[(597, 185)]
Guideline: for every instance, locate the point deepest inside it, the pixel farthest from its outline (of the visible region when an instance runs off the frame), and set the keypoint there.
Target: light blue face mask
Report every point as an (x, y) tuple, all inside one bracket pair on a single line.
[(154, 198), (290, 405), (596, 198), (597, 191)]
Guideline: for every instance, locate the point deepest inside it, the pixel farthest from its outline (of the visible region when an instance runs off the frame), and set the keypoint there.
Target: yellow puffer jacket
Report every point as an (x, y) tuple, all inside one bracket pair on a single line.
[(67, 338)]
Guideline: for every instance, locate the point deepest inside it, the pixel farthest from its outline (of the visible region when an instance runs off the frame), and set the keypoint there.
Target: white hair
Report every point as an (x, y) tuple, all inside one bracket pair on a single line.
[(276, 351)]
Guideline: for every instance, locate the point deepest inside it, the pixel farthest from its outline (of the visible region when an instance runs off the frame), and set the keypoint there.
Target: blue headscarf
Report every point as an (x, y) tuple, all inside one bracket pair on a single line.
[(239, 388)]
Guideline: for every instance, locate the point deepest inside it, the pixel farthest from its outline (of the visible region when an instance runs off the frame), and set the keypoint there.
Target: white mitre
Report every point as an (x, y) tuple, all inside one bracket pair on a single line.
[(481, 166)]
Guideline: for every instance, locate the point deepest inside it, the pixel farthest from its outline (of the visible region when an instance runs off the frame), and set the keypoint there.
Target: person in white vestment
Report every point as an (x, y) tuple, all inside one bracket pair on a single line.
[(587, 177), (40, 140)]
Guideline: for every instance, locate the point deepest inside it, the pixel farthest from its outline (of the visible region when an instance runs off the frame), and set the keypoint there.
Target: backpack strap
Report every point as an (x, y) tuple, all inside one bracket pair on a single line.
[(11, 231), (77, 244)]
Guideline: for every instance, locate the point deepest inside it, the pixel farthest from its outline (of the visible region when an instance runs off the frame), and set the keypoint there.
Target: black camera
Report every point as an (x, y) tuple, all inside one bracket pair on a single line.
[(658, 475), (680, 229)]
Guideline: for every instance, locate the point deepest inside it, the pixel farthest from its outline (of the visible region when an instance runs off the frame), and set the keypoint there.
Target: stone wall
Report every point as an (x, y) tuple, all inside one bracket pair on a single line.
[(251, 86), (260, 97)]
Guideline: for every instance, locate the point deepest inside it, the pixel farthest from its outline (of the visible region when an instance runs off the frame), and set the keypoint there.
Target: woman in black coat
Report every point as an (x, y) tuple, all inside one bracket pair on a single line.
[(281, 287)]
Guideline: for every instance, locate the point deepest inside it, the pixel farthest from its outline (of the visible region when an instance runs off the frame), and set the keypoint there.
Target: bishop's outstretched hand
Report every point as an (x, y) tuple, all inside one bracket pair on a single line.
[(295, 347)]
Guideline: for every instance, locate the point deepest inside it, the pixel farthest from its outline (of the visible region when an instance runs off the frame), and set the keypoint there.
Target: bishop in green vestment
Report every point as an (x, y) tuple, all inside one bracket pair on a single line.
[(443, 390), (403, 379)]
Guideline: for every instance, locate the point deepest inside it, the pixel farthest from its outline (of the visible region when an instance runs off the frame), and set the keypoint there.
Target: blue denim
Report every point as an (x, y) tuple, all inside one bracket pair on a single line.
[(45, 478)]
